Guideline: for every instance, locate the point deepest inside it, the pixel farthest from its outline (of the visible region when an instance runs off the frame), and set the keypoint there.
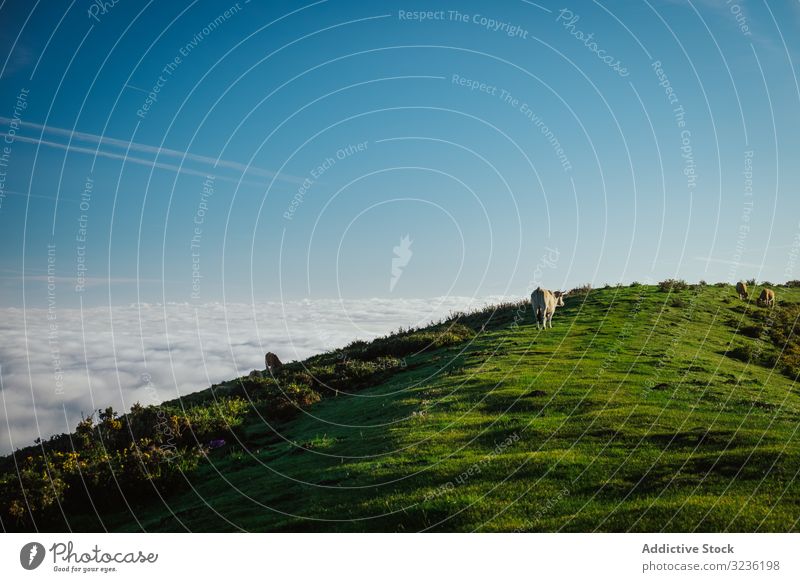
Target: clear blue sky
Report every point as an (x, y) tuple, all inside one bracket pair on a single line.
[(277, 89)]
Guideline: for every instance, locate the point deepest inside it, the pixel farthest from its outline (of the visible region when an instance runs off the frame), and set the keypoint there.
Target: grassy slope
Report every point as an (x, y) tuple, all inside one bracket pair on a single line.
[(713, 446)]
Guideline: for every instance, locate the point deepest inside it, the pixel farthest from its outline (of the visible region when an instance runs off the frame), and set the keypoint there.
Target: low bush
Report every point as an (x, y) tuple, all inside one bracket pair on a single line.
[(415, 342), (744, 353), (279, 397), (671, 285), (753, 331), (32, 494), (111, 458), (780, 345), (783, 326), (581, 290)]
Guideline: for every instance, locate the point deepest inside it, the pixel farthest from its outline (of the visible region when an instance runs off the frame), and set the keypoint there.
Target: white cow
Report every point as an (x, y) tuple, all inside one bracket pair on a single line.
[(544, 303)]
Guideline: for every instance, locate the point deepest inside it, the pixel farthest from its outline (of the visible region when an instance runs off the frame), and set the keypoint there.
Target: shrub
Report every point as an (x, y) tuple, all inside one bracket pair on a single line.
[(285, 401), (352, 375), (356, 345), (669, 285), (35, 491), (584, 289), (792, 283), (279, 399), (752, 331), (354, 369), (407, 343), (783, 334), (216, 419), (744, 353)]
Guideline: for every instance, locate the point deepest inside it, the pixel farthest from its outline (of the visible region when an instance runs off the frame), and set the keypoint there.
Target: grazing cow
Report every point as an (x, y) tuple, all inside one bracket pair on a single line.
[(272, 362), (767, 297), (741, 289), (544, 303)]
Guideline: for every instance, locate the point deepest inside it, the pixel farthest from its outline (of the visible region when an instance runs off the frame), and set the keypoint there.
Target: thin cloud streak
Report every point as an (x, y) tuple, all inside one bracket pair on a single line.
[(127, 159), (729, 262), (112, 142)]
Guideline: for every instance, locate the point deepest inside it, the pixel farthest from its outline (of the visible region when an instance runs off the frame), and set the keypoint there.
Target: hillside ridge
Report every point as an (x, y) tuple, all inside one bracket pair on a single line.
[(644, 408)]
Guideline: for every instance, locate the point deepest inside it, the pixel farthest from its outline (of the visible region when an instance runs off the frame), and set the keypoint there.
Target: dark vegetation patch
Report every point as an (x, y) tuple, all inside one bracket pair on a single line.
[(739, 463), (752, 331), (673, 285), (581, 290), (777, 340), (698, 437)]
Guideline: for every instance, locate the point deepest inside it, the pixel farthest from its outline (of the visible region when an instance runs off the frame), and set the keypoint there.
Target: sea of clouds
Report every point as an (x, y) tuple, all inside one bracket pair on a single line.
[(59, 365)]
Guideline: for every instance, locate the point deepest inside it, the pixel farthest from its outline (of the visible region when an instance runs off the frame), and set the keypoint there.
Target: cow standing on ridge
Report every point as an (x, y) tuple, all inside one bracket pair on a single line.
[(544, 303), (767, 298), (741, 289)]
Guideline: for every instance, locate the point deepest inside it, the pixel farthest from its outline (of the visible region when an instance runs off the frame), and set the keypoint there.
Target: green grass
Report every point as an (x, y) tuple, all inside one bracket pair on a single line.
[(629, 415)]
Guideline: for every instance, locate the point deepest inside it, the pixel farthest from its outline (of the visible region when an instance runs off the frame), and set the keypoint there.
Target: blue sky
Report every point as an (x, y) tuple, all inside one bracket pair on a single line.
[(272, 91)]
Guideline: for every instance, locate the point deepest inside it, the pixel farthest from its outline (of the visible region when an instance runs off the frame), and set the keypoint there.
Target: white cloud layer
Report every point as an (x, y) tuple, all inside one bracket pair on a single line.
[(105, 355)]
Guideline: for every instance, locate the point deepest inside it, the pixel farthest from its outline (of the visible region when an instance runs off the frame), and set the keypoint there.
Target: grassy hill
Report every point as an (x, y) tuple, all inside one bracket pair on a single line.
[(641, 410)]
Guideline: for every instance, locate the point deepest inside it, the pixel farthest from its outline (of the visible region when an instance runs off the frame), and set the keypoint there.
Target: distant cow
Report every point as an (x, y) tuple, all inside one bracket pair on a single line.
[(767, 297), (272, 362), (544, 303), (741, 289)]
